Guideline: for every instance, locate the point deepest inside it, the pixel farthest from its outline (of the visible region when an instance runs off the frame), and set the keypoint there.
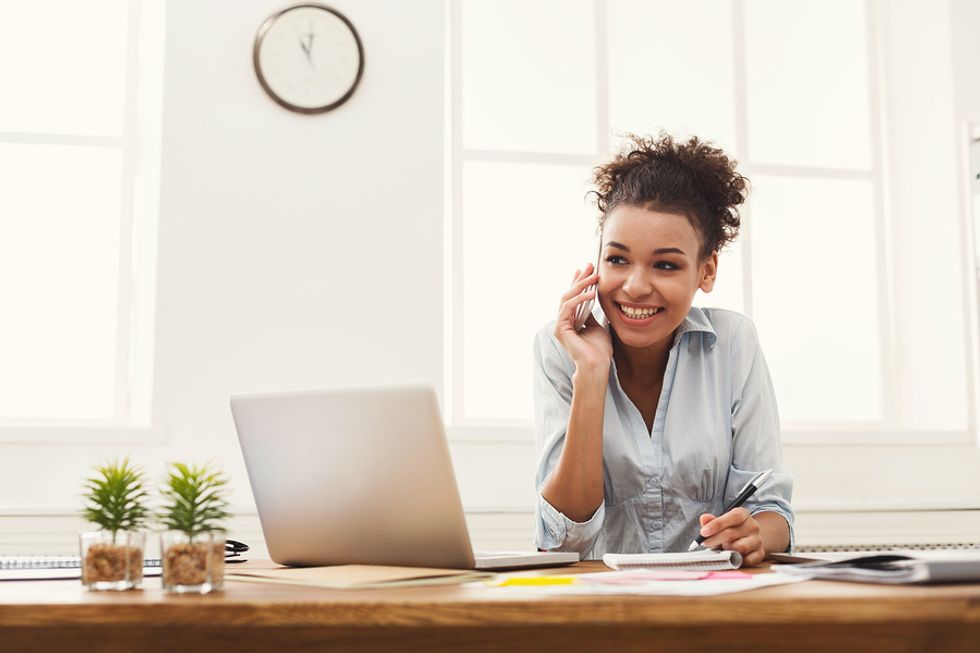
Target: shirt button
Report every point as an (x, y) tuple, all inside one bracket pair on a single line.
[(654, 483), (656, 525)]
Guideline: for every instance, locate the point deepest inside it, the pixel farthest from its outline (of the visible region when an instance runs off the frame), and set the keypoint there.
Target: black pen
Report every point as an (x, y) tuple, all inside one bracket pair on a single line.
[(746, 492)]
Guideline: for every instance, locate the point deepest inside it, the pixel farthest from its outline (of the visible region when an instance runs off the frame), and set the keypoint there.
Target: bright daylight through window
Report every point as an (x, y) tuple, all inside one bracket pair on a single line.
[(69, 148), (827, 210)]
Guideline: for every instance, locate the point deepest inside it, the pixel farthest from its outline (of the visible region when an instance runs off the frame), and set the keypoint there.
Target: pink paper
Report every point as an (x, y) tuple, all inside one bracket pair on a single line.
[(728, 575), (645, 575)]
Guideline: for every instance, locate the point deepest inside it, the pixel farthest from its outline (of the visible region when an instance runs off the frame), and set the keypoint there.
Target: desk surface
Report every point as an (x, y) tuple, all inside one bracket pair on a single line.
[(810, 616)]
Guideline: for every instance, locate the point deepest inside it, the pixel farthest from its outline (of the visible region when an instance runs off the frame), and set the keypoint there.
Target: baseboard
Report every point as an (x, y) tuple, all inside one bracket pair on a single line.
[(56, 532)]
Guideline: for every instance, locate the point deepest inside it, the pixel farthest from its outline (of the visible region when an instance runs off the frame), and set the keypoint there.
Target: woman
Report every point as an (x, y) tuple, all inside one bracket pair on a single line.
[(651, 421)]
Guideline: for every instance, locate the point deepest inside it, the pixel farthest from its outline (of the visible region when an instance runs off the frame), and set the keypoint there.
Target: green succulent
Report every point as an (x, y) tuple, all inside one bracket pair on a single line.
[(115, 498), (194, 499)]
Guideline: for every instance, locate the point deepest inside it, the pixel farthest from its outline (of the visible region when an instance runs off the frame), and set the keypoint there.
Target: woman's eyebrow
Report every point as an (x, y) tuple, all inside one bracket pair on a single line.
[(656, 252)]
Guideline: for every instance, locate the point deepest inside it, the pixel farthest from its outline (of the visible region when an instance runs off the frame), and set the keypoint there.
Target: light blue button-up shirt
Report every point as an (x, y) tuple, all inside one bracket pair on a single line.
[(716, 426)]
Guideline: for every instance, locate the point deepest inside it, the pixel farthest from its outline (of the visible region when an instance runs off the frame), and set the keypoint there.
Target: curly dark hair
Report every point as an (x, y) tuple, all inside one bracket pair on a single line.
[(693, 178)]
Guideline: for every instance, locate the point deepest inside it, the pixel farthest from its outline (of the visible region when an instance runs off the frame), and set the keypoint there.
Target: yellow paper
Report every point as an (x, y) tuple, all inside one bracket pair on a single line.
[(537, 581)]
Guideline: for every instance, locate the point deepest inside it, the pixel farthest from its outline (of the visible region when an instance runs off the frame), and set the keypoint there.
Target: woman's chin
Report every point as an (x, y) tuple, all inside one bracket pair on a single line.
[(635, 338), (639, 336)]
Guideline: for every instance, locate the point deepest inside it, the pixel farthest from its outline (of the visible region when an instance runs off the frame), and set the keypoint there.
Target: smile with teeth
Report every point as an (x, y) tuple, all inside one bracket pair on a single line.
[(639, 313)]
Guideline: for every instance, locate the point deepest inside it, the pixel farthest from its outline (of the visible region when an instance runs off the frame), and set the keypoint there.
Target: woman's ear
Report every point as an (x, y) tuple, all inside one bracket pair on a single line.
[(709, 270)]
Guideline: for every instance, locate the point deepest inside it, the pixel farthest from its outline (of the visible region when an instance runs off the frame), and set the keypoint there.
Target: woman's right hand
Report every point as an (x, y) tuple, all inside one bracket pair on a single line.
[(590, 347)]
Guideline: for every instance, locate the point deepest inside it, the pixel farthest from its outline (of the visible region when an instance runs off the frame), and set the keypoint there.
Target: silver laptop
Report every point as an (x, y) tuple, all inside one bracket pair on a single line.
[(360, 476)]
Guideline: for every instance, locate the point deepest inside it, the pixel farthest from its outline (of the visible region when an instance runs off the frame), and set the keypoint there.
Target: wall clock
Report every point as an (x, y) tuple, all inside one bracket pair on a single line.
[(308, 58)]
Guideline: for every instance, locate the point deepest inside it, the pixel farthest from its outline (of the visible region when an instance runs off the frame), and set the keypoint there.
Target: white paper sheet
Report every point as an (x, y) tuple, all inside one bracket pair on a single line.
[(707, 587)]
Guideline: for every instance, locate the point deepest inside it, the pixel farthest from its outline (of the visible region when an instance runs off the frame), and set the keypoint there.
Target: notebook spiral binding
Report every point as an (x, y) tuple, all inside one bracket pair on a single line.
[(53, 562)]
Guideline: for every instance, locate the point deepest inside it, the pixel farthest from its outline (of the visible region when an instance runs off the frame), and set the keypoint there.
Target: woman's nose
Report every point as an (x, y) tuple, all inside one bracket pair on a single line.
[(638, 284)]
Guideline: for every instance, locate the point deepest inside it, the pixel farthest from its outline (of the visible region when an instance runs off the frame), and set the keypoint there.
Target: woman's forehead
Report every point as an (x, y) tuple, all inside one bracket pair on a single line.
[(647, 229)]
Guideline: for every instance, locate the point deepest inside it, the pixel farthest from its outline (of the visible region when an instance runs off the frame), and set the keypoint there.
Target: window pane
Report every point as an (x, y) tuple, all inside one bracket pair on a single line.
[(526, 229), (728, 291), (670, 67), (63, 66), (59, 262), (529, 75), (925, 213), (807, 84), (815, 288)]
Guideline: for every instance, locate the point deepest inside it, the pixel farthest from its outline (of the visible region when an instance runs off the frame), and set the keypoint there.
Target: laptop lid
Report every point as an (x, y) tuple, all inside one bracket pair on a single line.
[(353, 476)]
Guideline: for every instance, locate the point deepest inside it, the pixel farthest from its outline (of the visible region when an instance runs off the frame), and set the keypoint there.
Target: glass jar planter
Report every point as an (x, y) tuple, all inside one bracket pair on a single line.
[(192, 565), (112, 562)]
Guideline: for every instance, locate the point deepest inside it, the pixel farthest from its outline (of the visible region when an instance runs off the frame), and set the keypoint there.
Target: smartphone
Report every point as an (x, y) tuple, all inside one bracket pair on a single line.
[(585, 309)]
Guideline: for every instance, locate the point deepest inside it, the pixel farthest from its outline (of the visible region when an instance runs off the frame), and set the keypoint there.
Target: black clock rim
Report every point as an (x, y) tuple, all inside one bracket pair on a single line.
[(260, 35)]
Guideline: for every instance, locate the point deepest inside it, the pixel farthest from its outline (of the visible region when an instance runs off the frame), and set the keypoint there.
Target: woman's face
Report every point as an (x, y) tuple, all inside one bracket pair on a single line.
[(649, 272)]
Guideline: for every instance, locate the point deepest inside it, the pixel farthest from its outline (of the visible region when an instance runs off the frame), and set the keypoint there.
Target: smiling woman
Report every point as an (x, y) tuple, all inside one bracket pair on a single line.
[(652, 421)]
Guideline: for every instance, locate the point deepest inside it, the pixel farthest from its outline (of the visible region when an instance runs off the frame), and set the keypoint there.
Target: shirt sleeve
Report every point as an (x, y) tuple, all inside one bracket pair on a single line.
[(552, 406), (756, 432)]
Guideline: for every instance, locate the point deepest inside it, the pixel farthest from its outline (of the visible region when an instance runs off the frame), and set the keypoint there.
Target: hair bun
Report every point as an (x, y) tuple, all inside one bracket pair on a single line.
[(694, 178)]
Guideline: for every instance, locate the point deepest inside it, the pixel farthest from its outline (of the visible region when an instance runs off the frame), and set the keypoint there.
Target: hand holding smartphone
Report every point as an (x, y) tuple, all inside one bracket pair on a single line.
[(584, 309), (585, 341)]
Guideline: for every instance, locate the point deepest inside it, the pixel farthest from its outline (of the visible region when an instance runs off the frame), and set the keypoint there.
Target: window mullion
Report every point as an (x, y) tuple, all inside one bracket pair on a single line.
[(78, 140), (602, 78), (453, 402), (742, 144), (887, 325), (125, 286)]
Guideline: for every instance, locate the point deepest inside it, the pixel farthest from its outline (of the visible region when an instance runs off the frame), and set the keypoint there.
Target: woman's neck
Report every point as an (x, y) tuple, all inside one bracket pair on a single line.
[(644, 364)]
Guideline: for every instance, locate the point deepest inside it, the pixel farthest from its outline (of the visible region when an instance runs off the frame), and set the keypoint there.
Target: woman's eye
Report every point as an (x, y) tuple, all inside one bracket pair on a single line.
[(665, 265), (615, 260)]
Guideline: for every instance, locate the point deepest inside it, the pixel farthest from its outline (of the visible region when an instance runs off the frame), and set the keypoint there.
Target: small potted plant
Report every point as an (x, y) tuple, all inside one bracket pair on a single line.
[(115, 500), (193, 546)]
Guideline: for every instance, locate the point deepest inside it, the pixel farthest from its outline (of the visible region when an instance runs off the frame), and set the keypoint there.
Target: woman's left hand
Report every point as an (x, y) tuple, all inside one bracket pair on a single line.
[(736, 530)]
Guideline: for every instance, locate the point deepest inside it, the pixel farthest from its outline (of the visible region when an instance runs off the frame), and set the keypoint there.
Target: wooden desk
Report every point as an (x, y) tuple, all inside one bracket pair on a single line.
[(811, 616)]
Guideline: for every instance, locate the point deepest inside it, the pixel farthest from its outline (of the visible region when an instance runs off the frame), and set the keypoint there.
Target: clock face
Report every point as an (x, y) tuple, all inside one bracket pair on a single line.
[(308, 58)]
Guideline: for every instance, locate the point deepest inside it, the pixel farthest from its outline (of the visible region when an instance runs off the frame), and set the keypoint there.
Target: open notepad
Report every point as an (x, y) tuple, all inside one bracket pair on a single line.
[(353, 576), (701, 560)]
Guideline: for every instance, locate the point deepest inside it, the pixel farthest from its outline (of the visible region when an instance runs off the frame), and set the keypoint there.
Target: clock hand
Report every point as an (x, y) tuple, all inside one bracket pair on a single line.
[(307, 45), (309, 49)]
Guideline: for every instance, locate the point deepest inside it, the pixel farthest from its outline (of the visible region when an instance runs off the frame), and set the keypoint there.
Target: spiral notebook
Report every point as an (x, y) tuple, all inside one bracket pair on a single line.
[(68, 567), (701, 560)]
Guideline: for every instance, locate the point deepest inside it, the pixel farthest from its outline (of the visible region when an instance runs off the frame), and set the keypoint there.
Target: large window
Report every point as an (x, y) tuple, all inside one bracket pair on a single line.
[(817, 102), (78, 164)]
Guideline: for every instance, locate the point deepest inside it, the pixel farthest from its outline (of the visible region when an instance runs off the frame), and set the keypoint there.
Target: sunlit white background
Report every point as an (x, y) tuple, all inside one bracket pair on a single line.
[(799, 93), (170, 236)]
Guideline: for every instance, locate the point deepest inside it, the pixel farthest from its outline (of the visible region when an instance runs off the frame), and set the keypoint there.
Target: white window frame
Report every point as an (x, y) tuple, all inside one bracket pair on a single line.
[(884, 433), (139, 145)]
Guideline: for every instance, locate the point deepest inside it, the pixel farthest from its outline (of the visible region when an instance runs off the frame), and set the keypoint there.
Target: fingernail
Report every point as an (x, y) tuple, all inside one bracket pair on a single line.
[(706, 531)]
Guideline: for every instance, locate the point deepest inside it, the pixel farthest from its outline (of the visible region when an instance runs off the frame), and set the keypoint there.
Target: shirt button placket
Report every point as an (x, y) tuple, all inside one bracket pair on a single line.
[(655, 524)]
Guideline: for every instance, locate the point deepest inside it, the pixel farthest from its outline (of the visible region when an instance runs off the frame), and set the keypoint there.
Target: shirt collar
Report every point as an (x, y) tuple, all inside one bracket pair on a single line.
[(695, 321)]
